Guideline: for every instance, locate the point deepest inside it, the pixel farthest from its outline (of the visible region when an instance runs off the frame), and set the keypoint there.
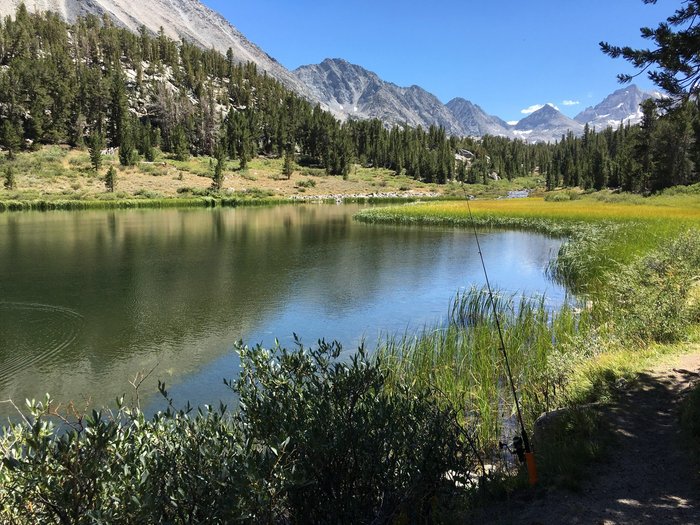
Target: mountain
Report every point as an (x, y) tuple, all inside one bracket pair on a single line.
[(347, 90), (546, 125), (352, 91), (475, 121), (620, 106), (188, 19)]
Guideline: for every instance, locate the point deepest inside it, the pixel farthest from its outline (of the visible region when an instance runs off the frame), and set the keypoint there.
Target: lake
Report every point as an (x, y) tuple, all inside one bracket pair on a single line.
[(88, 300)]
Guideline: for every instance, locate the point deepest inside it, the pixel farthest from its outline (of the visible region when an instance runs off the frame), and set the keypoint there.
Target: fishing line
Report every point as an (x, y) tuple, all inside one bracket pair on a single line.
[(525, 438)]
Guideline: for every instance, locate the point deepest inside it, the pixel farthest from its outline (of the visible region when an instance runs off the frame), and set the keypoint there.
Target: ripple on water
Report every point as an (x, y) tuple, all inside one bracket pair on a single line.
[(33, 334)]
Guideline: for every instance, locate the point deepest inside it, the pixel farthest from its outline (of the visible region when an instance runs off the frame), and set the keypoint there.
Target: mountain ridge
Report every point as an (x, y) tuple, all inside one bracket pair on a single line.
[(620, 107), (356, 92), (476, 121), (346, 90)]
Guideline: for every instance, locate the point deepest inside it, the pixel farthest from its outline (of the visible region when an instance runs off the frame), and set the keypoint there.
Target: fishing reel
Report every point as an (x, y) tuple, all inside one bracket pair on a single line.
[(518, 448), (521, 449)]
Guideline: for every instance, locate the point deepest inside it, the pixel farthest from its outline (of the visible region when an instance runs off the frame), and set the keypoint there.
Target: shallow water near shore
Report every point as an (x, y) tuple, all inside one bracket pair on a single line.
[(90, 300)]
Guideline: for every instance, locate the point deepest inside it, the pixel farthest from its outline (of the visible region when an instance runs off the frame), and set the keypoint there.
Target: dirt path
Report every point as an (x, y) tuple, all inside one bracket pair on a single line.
[(648, 477)]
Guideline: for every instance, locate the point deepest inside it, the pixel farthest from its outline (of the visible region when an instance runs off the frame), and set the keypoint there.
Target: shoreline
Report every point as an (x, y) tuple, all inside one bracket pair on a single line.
[(223, 201)]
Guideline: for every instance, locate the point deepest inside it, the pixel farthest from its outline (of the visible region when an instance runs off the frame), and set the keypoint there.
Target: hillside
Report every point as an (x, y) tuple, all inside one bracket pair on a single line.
[(180, 19)]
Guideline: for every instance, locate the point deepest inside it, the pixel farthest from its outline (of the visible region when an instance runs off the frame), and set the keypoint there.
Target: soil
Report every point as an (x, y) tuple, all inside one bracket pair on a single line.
[(650, 474)]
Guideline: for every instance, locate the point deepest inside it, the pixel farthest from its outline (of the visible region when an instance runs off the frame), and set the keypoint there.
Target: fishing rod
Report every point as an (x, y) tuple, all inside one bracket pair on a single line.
[(522, 446)]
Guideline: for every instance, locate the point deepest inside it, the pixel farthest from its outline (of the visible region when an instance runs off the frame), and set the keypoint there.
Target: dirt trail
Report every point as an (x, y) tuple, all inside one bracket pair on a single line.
[(648, 476)]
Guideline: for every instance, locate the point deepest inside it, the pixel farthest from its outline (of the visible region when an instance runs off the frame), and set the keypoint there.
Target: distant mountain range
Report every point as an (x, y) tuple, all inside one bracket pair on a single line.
[(354, 92), (347, 90), (620, 106)]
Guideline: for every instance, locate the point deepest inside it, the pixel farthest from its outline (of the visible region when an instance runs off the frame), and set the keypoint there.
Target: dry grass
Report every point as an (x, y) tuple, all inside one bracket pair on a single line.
[(65, 173)]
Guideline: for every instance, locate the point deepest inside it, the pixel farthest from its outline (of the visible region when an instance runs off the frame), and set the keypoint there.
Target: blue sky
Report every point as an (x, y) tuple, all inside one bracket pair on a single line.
[(505, 55)]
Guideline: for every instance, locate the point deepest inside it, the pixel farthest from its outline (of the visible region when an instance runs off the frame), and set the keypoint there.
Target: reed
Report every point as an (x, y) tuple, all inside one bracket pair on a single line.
[(635, 259), (464, 362)]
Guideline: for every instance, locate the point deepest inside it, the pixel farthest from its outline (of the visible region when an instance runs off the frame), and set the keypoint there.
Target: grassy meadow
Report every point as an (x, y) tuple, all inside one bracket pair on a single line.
[(61, 177)]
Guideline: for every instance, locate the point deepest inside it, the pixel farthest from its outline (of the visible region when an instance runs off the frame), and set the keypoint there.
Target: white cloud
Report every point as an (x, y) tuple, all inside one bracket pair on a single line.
[(512, 122), (570, 102), (531, 109), (536, 107)]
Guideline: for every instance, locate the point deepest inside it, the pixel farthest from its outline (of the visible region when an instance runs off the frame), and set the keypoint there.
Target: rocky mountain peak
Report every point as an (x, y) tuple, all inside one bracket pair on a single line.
[(475, 121), (353, 91), (546, 124), (621, 106)]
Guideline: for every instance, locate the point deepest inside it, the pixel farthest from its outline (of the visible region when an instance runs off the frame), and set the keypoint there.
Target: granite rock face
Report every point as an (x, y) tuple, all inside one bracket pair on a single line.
[(352, 91)]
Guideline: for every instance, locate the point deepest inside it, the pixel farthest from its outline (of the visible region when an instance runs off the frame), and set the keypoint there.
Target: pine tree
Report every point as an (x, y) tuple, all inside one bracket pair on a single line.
[(11, 138), (96, 143), (119, 108), (218, 177), (673, 62), (180, 144), (461, 171), (288, 167), (111, 179), (9, 178), (145, 146), (127, 150)]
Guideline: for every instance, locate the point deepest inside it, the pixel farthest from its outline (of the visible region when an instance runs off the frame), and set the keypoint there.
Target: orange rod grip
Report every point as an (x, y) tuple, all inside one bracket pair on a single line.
[(531, 468)]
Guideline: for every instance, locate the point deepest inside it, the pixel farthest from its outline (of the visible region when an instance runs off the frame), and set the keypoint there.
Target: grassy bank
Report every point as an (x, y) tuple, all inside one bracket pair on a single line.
[(605, 230), (637, 261), (464, 362)]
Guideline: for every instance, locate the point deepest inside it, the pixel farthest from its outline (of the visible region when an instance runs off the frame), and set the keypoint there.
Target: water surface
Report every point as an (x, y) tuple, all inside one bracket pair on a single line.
[(88, 300)]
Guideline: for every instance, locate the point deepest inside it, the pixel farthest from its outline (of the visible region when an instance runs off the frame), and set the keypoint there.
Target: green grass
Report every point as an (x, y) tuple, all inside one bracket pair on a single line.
[(120, 202), (464, 360)]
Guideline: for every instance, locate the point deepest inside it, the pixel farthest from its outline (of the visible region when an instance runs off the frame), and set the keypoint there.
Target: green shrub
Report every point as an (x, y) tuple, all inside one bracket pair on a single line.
[(561, 196), (316, 438), (651, 299), (258, 193), (307, 183), (147, 194)]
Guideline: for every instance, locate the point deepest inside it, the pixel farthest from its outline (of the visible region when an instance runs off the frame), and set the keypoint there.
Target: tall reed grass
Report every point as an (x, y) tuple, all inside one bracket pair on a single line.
[(463, 359)]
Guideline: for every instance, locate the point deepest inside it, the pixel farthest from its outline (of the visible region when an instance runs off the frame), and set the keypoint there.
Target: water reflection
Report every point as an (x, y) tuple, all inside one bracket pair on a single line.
[(174, 289)]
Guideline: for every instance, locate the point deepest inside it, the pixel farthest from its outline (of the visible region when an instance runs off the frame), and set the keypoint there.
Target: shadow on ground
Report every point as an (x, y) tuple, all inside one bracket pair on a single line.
[(648, 477)]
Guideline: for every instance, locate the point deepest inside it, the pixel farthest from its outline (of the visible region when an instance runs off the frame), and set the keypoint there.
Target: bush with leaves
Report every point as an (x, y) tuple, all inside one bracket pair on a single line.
[(315, 438), (651, 299), (347, 450)]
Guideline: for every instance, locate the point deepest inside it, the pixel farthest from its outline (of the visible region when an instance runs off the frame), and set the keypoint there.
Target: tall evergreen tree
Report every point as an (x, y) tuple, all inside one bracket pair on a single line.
[(218, 177), (111, 179), (11, 138), (96, 143), (128, 155), (288, 167), (673, 63), (9, 178)]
